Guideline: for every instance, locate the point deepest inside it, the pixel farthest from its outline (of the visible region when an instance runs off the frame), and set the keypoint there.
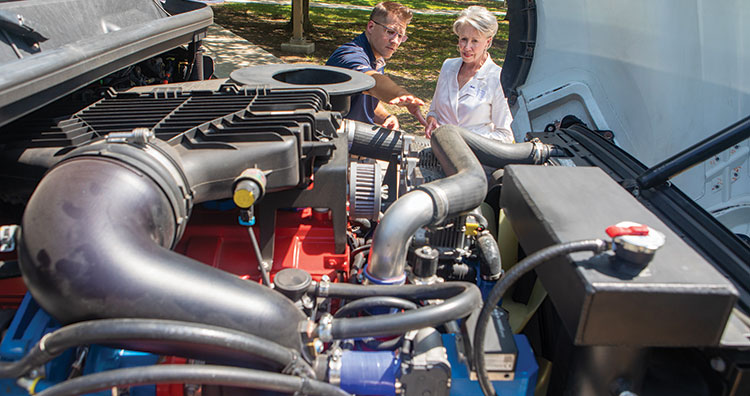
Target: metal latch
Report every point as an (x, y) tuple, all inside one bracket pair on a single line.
[(8, 238)]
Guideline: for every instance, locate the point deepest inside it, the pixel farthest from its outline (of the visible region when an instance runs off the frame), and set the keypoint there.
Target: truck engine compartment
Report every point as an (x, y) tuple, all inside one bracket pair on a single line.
[(248, 239)]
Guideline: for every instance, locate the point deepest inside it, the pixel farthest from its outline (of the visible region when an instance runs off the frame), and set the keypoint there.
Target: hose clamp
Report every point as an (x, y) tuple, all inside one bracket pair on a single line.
[(334, 367), (325, 327), (493, 278), (323, 286), (351, 128)]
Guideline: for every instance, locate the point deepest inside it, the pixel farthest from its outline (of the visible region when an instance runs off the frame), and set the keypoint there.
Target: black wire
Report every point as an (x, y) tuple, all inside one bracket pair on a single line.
[(123, 330), (360, 249), (259, 257), (371, 302), (524, 266), (200, 374)]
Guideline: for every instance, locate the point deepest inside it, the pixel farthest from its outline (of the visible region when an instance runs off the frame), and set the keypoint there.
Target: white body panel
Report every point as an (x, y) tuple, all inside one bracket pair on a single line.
[(662, 75)]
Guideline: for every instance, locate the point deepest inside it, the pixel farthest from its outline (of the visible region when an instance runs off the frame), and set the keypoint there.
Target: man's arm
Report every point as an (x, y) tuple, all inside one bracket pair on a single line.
[(386, 90)]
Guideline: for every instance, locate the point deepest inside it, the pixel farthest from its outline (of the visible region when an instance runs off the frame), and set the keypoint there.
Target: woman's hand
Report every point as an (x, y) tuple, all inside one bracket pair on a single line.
[(430, 126)]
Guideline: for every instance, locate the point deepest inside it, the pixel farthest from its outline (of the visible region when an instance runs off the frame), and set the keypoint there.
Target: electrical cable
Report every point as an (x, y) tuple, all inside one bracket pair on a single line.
[(529, 263), (195, 374), (360, 249), (259, 257), (122, 330)]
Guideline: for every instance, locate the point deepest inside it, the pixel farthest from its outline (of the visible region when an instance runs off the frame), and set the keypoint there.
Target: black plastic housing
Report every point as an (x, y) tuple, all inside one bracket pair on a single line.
[(679, 299)]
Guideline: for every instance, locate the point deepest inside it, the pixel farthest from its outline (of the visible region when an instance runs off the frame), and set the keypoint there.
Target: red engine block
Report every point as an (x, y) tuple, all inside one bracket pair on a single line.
[(303, 239)]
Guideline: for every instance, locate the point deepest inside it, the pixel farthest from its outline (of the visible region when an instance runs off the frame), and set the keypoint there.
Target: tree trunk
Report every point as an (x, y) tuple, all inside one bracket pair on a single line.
[(307, 26)]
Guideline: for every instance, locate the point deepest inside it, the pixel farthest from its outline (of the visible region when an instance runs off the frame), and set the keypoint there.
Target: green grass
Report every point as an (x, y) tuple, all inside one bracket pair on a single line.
[(426, 5), (415, 66)]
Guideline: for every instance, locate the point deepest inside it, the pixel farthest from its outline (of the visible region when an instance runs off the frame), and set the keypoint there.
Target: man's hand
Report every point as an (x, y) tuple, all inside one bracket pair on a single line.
[(391, 122), (412, 103), (430, 126)]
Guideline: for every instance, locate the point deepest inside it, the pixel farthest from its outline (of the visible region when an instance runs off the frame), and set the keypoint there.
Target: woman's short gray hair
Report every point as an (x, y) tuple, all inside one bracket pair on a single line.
[(479, 18)]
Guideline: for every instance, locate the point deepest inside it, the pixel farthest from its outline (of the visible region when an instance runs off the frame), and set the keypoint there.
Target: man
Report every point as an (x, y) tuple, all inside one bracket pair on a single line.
[(385, 32)]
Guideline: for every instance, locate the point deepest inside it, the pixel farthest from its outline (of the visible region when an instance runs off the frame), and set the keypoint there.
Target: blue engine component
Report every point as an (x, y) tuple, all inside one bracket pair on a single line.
[(369, 373), (523, 379), (30, 324)]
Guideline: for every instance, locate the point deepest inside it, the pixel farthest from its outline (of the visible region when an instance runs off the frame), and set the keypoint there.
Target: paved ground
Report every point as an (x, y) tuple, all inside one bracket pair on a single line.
[(231, 52)]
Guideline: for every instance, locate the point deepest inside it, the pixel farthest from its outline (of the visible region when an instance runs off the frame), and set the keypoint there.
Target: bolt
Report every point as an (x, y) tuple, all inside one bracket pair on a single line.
[(718, 364), (318, 345)]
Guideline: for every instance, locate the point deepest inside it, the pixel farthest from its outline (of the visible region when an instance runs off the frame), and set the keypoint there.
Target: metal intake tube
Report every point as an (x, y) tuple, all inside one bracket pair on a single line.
[(96, 243), (463, 190)]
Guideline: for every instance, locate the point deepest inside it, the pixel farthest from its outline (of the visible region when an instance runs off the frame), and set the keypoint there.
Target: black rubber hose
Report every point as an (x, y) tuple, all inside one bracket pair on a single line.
[(373, 302), (490, 265), (497, 154), (99, 230), (410, 292), (458, 306), (373, 141), (141, 334), (466, 185), (524, 266), (193, 374)]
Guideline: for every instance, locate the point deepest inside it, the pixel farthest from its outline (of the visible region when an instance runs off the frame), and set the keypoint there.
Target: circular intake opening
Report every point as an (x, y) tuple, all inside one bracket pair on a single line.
[(311, 77)]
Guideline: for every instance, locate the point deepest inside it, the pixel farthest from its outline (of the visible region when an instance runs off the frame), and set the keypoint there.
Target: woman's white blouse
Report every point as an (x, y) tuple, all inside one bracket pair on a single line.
[(479, 106)]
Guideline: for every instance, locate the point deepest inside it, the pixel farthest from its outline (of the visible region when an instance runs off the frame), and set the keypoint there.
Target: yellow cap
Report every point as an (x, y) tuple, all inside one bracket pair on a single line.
[(243, 198), (471, 229)]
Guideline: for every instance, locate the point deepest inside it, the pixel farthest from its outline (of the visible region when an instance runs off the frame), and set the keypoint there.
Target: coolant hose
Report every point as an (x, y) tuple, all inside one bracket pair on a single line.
[(373, 302), (149, 334), (460, 299), (372, 141), (490, 267), (192, 374), (529, 263), (463, 190), (96, 243), (496, 154)]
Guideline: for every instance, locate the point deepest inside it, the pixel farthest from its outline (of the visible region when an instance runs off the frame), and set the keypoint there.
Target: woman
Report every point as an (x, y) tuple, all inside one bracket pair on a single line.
[(468, 92)]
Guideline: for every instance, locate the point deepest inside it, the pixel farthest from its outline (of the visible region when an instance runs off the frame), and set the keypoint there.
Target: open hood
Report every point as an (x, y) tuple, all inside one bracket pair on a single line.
[(42, 59)]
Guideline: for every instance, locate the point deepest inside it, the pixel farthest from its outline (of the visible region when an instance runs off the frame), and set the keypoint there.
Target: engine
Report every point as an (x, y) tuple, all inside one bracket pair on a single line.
[(255, 213), (211, 241)]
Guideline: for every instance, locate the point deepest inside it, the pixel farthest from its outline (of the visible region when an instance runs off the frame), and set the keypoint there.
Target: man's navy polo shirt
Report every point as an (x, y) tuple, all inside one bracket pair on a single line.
[(357, 55)]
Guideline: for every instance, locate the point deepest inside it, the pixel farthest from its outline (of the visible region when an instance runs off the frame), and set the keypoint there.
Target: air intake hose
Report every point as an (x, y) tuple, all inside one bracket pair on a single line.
[(96, 242), (463, 190), (496, 154), (372, 141)]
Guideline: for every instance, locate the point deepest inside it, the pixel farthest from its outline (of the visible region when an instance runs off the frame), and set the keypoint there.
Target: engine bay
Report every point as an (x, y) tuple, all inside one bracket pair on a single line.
[(247, 238)]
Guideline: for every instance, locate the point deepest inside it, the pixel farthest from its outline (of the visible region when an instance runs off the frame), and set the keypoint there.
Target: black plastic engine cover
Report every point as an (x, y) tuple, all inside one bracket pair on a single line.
[(679, 299)]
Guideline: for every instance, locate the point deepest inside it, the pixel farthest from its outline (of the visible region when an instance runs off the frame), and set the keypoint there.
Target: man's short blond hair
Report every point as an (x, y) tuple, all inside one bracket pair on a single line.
[(381, 11)]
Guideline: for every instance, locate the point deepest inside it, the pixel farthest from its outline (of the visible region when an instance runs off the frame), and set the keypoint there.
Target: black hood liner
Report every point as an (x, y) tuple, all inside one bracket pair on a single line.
[(84, 40)]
